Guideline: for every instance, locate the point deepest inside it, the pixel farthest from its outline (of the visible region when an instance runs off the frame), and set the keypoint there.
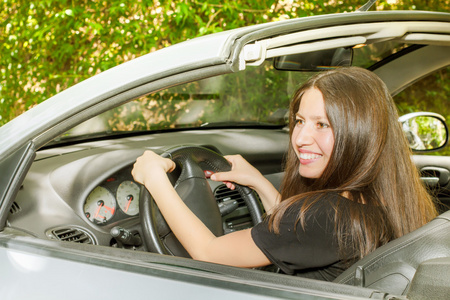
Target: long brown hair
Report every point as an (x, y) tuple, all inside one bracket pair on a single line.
[(370, 164)]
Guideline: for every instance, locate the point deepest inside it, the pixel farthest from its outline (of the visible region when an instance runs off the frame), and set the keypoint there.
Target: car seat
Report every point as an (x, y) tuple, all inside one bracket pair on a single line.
[(392, 267)]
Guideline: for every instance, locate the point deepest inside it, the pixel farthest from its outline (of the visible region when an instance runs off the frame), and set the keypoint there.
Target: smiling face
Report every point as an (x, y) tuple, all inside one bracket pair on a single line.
[(312, 137)]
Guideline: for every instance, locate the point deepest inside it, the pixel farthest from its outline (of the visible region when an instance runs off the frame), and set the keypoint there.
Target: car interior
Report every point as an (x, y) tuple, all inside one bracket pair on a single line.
[(79, 196)]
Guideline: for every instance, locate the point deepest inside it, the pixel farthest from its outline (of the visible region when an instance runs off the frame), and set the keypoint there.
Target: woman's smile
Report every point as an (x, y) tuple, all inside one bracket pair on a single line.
[(307, 157)]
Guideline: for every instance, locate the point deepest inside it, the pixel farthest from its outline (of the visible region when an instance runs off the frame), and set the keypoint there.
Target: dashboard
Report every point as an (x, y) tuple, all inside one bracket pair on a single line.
[(86, 190)]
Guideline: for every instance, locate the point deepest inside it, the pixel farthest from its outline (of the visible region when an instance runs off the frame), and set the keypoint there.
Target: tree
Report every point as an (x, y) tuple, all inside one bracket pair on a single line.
[(49, 45)]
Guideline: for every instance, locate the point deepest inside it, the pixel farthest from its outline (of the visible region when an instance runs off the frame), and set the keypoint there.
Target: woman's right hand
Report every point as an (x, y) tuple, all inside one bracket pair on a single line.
[(242, 172)]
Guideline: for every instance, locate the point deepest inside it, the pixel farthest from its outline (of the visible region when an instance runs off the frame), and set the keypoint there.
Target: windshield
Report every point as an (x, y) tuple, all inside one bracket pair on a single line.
[(257, 96)]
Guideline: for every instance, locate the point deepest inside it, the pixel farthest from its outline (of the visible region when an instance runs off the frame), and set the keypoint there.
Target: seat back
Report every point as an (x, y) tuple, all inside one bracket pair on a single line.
[(391, 267)]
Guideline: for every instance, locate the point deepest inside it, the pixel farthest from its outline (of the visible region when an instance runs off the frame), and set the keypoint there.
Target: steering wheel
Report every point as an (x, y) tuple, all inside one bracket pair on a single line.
[(190, 182)]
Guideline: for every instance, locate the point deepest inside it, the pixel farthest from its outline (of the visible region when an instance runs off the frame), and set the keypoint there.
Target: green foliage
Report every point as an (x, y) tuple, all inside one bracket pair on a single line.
[(49, 45), (235, 97), (425, 133)]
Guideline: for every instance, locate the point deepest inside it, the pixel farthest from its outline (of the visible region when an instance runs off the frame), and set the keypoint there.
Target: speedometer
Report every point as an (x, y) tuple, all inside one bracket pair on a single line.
[(100, 205), (128, 197)]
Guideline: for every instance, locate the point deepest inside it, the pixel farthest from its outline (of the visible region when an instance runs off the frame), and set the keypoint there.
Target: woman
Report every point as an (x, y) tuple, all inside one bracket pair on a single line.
[(349, 186)]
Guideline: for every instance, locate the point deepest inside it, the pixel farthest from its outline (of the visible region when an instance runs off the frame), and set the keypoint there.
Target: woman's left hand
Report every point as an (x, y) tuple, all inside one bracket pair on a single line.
[(150, 166)]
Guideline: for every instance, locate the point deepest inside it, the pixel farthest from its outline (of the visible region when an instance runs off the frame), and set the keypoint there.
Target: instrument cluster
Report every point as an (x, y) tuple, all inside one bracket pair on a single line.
[(114, 199)]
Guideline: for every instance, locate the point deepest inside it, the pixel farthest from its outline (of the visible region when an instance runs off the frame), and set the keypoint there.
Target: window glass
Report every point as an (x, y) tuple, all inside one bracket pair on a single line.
[(257, 96), (365, 56), (431, 94)]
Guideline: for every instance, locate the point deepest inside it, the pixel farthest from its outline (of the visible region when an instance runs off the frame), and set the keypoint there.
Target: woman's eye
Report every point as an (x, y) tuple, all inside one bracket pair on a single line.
[(322, 125), (299, 122)]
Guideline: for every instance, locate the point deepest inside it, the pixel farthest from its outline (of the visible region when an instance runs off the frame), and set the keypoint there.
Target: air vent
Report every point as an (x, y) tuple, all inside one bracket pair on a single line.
[(240, 218), (222, 193), (15, 208), (71, 234)]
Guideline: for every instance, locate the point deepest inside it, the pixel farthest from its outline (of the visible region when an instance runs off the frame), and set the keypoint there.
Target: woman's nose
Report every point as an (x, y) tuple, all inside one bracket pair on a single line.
[(304, 136)]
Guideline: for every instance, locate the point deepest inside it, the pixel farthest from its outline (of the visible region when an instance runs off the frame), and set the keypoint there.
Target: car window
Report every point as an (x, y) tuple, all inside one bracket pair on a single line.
[(257, 96), (367, 55), (431, 94)]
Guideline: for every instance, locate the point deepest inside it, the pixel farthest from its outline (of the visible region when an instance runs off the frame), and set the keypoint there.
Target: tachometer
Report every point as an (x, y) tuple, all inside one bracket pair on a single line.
[(100, 205), (128, 197)]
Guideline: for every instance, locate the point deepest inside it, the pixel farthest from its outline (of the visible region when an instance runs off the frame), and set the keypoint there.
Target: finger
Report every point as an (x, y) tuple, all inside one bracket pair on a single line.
[(147, 153), (231, 185), (231, 158), (172, 166), (219, 176), (136, 175)]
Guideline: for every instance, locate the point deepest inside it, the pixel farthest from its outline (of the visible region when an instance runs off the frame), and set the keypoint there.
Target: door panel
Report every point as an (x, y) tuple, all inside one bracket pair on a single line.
[(435, 172)]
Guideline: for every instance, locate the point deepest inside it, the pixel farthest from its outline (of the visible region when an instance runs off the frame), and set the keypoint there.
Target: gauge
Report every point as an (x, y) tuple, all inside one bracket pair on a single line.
[(128, 197), (100, 205)]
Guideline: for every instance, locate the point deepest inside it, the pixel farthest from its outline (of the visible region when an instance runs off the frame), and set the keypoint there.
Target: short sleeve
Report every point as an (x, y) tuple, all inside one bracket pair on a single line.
[(296, 249)]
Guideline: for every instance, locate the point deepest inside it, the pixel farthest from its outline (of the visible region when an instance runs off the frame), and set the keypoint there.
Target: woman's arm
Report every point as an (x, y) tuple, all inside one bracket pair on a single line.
[(236, 249), (244, 173)]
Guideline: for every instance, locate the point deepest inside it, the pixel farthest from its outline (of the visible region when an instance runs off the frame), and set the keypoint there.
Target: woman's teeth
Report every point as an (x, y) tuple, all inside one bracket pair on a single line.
[(309, 156)]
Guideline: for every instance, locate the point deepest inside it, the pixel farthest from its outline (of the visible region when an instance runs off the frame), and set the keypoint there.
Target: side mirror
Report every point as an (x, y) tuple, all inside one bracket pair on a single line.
[(425, 131)]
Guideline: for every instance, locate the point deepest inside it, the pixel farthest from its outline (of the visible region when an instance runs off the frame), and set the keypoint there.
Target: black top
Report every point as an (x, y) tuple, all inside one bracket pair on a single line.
[(312, 252)]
